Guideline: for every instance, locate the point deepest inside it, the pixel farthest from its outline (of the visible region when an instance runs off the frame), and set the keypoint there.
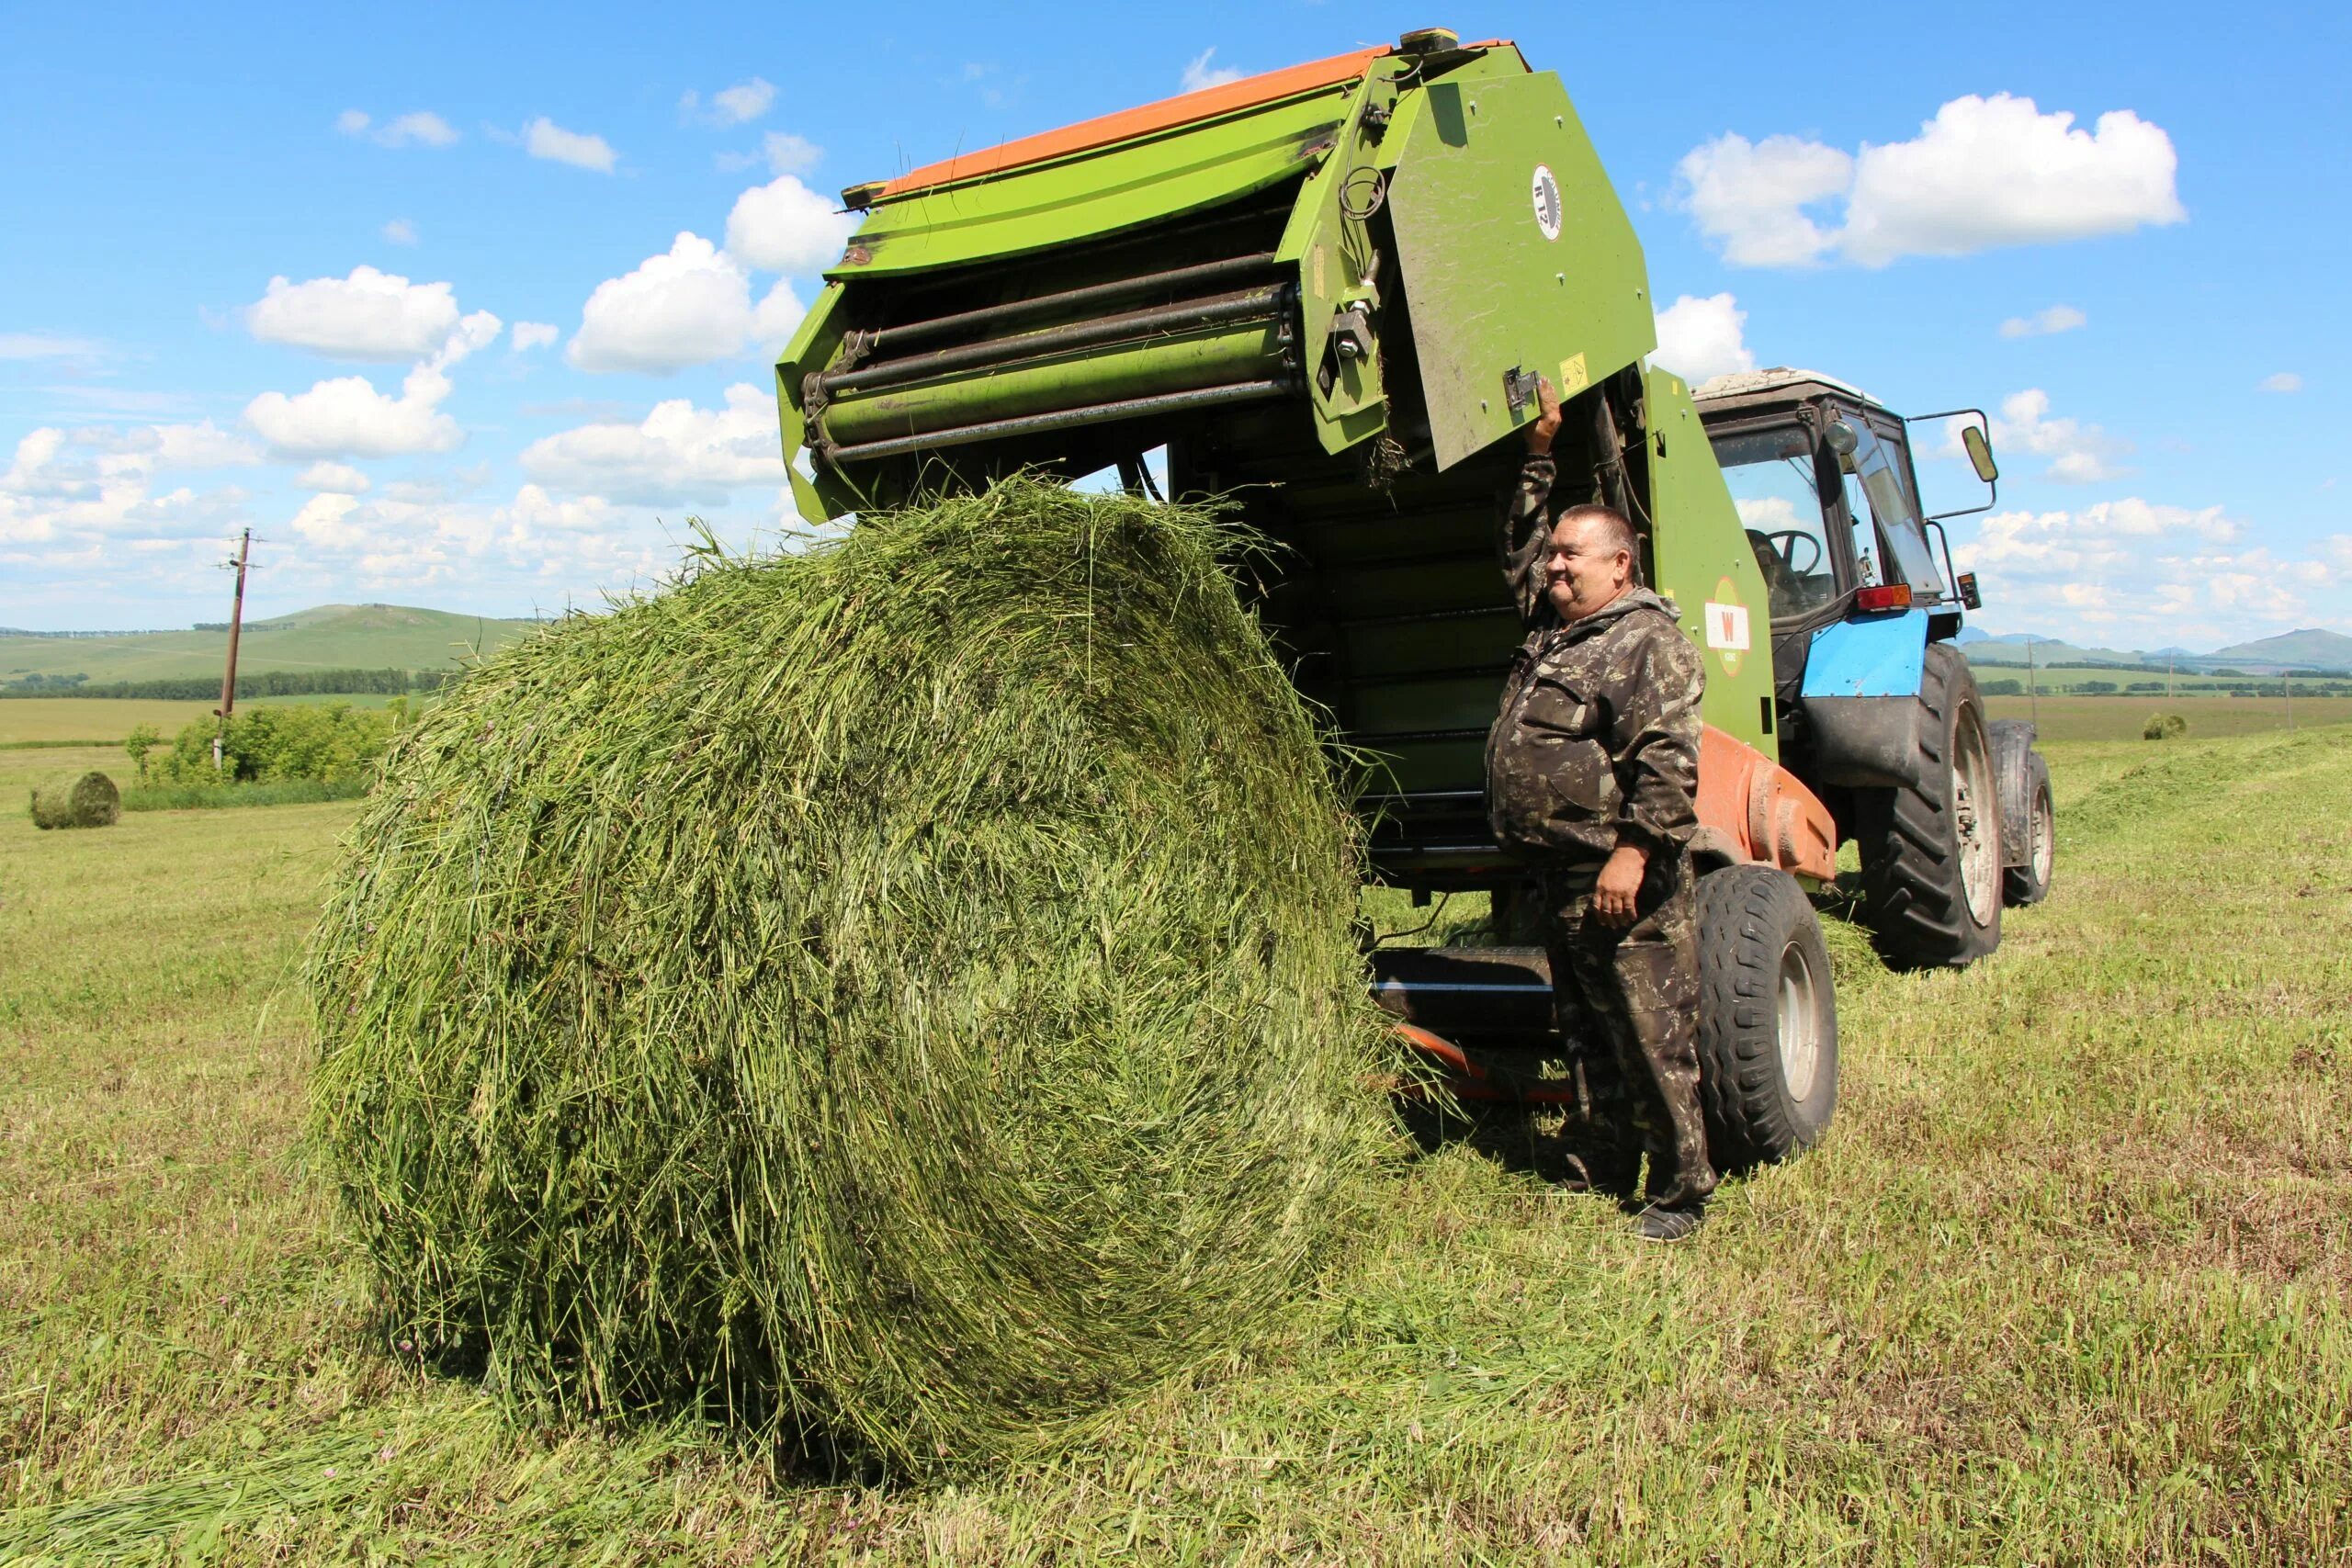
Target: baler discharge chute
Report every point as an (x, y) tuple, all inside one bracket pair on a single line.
[(1329, 294)]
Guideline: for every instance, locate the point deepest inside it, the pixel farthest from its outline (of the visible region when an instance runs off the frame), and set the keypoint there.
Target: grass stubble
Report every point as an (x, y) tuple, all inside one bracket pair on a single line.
[(2067, 1284)]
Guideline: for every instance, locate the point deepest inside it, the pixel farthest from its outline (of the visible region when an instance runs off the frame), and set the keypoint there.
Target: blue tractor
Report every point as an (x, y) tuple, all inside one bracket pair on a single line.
[(1875, 706)]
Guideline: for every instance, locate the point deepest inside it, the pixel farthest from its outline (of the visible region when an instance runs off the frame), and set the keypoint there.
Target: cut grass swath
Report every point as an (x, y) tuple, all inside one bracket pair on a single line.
[(902, 995)]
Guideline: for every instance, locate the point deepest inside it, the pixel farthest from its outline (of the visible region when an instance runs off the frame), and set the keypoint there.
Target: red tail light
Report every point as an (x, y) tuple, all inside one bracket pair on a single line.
[(1887, 596)]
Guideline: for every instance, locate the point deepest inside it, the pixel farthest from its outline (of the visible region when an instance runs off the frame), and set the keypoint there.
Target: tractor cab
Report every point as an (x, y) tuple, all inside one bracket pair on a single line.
[(1822, 477)]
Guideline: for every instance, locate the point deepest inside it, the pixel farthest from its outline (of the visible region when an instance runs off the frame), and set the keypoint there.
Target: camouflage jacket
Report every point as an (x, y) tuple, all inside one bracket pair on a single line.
[(1597, 741)]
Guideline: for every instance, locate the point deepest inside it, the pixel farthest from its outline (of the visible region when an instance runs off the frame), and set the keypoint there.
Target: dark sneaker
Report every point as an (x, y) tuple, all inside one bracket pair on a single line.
[(1658, 1223)]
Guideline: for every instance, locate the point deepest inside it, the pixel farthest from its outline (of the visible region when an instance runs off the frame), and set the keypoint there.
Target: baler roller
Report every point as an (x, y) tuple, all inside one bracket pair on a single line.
[(1222, 348), (861, 347), (1164, 319), (1094, 414)]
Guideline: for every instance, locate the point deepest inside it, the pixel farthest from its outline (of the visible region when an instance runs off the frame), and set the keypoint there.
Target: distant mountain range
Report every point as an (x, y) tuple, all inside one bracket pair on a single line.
[(2308, 649), (328, 636)]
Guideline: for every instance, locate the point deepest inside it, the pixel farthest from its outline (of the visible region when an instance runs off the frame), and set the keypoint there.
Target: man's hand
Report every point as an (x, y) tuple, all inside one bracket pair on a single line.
[(1619, 884), (1548, 419)]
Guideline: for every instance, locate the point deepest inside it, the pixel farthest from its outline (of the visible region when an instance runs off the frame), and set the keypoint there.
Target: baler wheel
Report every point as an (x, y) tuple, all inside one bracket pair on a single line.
[(2029, 882), (1768, 1018), (1931, 855)]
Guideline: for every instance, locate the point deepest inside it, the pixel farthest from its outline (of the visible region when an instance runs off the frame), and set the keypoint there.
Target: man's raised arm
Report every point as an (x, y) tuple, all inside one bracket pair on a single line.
[(1527, 513)]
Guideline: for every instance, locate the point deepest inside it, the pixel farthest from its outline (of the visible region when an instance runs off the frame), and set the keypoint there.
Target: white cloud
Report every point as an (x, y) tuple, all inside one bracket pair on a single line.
[(528, 336), (371, 315), (2044, 323), (737, 104), (785, 227), (1773, 513), (783, 152), (2141, 573), (401, 232), (202, 446), (2284, 381), (1198, 74), (1984, 173), (1700, 339), (688, 307), (347, 417), (2078, 453), (677, 454), (1750, 197), (338, 477), (72, 491), (325, 519), (47, 346), (778, 316), (545, 139), (419, 128)]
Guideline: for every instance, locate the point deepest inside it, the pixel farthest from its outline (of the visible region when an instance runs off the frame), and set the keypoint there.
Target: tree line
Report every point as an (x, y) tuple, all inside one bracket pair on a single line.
[(265, 684)]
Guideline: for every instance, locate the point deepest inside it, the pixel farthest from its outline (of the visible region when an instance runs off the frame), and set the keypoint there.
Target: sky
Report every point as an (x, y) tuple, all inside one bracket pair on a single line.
[(475, 307)]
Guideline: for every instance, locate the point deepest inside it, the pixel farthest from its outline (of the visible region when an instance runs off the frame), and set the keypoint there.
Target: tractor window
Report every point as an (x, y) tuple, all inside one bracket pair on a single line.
[(1772, 476), (1903, 554)]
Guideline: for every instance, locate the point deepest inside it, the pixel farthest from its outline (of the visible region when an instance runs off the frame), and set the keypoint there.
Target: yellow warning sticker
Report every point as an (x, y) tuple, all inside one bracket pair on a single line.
[(1574, 376)]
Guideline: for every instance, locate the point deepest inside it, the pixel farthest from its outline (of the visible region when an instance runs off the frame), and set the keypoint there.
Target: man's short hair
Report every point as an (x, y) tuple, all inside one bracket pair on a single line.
[(1615, 529)]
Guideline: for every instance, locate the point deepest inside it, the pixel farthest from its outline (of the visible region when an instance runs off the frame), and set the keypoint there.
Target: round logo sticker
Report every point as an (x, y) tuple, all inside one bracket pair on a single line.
[(1546, 194)]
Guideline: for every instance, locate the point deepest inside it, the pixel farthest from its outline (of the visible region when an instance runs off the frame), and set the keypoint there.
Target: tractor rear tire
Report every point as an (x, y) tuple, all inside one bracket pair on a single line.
[(1768, 1018), (2029, 882), (1931, 855)]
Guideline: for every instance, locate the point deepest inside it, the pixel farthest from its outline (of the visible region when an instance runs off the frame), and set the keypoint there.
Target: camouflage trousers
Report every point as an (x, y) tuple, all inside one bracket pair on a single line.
[(1638, 986)]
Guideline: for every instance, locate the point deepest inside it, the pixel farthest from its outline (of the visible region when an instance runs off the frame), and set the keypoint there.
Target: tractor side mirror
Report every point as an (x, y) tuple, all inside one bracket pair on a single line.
[(1980, 453)]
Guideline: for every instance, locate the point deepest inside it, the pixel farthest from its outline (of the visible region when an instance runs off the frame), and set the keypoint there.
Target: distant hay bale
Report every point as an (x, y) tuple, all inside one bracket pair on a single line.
[(901, 997), (2163, 726), (90, 801)]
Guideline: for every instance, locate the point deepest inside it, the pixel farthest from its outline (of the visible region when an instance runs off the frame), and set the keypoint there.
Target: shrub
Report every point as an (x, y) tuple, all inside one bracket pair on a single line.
[(331, 741)]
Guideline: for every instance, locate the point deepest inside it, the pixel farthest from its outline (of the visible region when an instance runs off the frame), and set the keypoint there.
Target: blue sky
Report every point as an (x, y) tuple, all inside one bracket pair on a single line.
[(585, 233)]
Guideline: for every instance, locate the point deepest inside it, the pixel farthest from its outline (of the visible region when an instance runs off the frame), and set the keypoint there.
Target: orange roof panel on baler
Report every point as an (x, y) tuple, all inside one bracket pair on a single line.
[(1186, 108)]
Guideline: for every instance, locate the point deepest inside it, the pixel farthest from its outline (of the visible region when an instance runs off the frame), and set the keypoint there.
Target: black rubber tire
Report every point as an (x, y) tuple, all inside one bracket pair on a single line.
[(1753, 921), (2029, 882), (1914, 897)]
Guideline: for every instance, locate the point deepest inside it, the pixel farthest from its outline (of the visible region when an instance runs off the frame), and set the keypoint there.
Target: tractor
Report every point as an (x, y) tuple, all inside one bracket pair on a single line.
[(1328, 295)]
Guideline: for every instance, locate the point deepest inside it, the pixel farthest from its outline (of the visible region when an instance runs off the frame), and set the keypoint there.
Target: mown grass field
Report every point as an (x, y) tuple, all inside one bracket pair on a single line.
[(2120, 719), (2067, 1284), (328, 636), (48, 720)]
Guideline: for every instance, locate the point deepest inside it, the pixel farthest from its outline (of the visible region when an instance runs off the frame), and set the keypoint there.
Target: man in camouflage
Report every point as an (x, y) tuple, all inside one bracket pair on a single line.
[(1592, 768)]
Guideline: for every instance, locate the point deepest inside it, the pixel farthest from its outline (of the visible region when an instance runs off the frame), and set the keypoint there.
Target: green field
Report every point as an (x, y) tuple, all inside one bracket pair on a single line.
[(110, 719), (330, 637), (2120, 719), (2067, 1283)]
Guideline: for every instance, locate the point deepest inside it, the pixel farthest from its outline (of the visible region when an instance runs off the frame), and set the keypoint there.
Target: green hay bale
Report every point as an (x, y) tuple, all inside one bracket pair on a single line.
[(901, 997), (2163, 726), (90, 801)]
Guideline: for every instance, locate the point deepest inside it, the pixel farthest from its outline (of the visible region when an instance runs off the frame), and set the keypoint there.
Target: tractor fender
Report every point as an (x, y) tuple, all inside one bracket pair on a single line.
[(2012, 741), (1860, 699)]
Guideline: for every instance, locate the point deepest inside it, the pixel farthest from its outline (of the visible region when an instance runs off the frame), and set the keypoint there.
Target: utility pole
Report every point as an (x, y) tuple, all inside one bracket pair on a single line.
[(2289, 676), (236, 624), (2033, 691), (2168, 677)]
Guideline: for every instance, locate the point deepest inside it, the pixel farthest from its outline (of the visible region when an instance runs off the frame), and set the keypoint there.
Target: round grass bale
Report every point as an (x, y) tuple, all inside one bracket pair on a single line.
[(901, 997), (2163, 726), (90, 801)]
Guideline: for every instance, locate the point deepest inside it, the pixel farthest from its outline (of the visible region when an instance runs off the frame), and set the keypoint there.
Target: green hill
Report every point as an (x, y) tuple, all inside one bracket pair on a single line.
[(2321, 650), (2047, 651), (329, 636)]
